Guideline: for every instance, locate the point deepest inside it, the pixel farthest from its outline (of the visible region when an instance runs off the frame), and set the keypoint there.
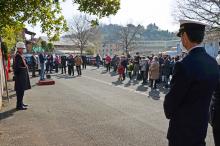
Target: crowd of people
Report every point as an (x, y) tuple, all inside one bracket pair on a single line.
[(49, 63), (153, 69)]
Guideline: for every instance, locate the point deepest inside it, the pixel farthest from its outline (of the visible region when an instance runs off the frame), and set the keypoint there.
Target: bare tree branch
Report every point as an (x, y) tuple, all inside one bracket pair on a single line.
[(202, 10), (81, 31)]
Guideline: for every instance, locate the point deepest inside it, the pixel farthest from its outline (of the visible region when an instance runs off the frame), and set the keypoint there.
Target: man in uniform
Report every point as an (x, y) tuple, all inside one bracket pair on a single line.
[(194, 79), (22, 81), (215, 110)]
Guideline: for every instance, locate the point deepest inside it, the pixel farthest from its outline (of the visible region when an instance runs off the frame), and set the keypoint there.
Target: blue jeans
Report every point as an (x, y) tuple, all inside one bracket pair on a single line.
[(42, 71)]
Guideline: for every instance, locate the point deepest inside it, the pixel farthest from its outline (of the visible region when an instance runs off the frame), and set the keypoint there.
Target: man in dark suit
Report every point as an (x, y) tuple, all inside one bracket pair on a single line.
[(63, 64), (33, 64), (215, 110), (194, 80), (22, 81)]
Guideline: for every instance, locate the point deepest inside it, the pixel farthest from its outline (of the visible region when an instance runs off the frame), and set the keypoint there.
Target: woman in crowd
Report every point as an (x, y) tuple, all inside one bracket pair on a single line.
[(154, 72)]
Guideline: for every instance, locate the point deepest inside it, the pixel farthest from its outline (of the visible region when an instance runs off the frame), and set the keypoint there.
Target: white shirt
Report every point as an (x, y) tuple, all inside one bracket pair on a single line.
[(197, 46)]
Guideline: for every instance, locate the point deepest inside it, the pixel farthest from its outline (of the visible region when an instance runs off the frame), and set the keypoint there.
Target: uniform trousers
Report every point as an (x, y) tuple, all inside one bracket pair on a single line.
[(20, 95)]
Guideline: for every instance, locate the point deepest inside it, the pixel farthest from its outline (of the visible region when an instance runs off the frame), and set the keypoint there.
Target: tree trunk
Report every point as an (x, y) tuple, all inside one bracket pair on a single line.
[(81, 51)]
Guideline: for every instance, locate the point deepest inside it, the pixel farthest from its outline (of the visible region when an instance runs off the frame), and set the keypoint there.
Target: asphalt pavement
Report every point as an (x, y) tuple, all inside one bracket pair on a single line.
[(91, 110)]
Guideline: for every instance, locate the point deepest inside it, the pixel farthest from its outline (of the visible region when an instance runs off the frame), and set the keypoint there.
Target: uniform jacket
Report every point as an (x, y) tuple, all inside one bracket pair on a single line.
[(187, 103), (154, 70), (22, 81), (215, 107)]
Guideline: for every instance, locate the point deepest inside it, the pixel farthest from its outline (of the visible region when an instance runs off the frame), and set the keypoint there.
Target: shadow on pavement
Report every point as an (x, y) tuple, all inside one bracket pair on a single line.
[(128, 84), (117, 83), (104, 72), (113, 74), (61, 76), (142, 88), (7, 114), (154, 94)]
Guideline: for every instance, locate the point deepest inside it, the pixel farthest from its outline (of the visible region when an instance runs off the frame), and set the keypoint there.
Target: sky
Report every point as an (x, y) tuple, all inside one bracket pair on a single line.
[(137, 12)]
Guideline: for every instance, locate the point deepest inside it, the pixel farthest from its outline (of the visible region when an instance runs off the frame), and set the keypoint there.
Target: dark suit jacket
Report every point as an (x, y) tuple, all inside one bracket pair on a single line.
[(187, 103), (22, 81)]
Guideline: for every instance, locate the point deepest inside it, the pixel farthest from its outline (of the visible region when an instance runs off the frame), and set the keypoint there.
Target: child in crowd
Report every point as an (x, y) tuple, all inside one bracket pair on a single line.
[(130, 69), (121, 71)]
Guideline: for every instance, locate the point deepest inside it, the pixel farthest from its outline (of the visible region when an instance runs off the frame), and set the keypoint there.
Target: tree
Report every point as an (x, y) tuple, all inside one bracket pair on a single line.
[(202, 10), (48, 13), (11, 35), (4, 48), (44, 45), (50, 47), (129, 34), (99, 8), (81, 31)]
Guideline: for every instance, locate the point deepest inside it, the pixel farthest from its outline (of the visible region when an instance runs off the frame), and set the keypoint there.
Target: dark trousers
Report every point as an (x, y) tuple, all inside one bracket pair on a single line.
[(216, 134), (78, 69), (20, 95), (56, 68), (130, 75), (144, 76), (63, 69), (33, 71), (84, 65), (108, 66), (153, 83), (51, 67), (71, 70)]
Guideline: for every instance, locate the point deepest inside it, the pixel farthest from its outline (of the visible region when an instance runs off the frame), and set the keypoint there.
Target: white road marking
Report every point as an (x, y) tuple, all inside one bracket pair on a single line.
[(119, 86)]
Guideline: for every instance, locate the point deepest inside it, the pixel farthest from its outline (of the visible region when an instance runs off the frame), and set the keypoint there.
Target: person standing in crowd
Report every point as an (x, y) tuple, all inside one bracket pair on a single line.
[(51, 63), (33, 64), (57, 62), (161, 62), (144, 65), (137, 59), (130, 69), (121, 71), (78, 62), (215, 110), (22, 81), (114, 63), (124, 64), (194, 80), (98, 59), (154, 72), (70, 64), (108, 63), (166, 71), (42, 66), (84, 59), (63, 64), (47, 63)]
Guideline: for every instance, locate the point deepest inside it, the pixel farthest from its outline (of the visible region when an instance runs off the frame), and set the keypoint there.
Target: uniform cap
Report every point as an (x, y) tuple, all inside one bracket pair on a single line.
[(20, 45), (190, 26)]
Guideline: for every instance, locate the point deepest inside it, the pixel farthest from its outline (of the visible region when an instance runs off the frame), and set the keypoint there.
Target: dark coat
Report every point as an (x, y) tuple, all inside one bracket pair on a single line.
[(187, 103), (22, 81), (215, 107), (166, 68)]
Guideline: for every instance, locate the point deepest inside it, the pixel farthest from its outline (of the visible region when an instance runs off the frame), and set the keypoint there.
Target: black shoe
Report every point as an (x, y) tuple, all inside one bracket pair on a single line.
[(21, 108), (25, 105)]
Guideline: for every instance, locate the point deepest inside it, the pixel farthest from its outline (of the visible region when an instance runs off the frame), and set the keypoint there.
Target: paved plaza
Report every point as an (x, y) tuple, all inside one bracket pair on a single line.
[(92, 110)]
